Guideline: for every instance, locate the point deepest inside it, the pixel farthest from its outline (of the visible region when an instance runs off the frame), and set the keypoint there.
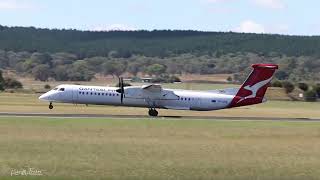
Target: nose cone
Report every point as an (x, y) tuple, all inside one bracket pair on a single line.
[(45, 97)]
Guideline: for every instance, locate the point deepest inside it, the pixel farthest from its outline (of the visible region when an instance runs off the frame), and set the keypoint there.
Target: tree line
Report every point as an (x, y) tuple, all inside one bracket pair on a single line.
[(157, 43), (64, 66), (9, 83), (311, 92)]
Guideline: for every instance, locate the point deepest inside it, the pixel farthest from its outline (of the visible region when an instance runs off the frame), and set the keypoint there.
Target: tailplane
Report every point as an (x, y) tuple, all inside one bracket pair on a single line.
[(254, 88)]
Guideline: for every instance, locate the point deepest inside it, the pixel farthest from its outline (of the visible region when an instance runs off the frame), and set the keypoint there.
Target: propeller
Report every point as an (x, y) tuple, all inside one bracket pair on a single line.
[(121, 89)]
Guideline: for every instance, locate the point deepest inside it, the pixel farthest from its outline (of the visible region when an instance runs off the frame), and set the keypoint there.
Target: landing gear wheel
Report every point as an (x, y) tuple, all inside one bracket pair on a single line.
[(153, 112), (50, 106)]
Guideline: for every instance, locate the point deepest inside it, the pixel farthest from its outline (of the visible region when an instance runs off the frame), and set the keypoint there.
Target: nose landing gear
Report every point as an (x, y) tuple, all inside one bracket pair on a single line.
[(50, 106), (153, 112)]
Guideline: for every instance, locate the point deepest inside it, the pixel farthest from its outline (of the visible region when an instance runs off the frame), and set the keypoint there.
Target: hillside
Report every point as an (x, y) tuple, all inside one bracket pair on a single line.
[(162, 43), (72, 55)]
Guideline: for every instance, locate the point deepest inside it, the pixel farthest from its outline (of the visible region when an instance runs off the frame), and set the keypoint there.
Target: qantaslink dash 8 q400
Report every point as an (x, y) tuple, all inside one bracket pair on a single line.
[(153, 96)]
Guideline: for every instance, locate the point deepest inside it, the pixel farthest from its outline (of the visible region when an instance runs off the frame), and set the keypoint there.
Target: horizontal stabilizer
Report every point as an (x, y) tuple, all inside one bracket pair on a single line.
[(228, 91)]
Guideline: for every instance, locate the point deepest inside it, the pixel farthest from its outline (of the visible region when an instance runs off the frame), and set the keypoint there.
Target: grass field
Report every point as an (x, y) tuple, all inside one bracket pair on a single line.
[(159, 149), (29, 103), (30, 83)]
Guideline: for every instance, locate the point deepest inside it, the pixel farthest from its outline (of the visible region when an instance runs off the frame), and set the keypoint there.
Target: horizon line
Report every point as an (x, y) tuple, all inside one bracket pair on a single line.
[(146, 30)]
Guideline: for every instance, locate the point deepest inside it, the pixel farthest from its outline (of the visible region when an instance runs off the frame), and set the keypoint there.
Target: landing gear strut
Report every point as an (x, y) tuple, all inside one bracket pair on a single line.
[(153, 112), (50, 106)]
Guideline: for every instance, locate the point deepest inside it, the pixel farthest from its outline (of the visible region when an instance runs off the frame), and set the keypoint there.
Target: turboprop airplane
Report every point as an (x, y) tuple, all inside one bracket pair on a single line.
[(153, 96)]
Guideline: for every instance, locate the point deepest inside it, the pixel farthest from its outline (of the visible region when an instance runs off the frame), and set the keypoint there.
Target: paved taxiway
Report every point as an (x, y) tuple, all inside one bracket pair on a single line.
[(7, 114)]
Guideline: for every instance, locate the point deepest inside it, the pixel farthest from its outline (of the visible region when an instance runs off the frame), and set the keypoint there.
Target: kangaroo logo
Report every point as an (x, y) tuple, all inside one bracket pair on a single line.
[(255, 88)]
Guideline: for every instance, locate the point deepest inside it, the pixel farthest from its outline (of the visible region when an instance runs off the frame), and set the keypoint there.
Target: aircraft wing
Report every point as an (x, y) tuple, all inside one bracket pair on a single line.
[(152, 91), (153, 88), (155, 91)]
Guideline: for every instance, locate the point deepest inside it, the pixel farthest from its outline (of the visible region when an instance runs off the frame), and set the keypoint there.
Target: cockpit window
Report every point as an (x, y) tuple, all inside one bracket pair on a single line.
[(61, 89), (55, 89)]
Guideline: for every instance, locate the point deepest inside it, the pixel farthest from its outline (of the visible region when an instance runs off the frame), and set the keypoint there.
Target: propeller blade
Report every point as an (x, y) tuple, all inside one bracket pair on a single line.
[(121, 85)]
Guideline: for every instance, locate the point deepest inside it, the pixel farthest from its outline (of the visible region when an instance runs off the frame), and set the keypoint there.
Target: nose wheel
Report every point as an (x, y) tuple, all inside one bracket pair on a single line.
[(153, 112), (50, 106)]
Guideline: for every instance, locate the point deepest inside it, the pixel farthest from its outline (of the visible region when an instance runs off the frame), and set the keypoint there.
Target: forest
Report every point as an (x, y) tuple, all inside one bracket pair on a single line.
[(79, 55)]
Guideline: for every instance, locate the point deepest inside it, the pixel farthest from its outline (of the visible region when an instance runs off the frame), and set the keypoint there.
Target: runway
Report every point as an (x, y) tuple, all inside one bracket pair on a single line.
[(9, 114)]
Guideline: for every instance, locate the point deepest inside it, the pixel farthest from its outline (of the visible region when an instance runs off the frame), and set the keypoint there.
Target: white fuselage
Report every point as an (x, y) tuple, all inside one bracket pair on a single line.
[(138, 97)]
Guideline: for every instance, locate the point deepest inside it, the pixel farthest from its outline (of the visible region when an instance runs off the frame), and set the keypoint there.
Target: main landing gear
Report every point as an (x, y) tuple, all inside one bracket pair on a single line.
[(50, 106), (153, 112)]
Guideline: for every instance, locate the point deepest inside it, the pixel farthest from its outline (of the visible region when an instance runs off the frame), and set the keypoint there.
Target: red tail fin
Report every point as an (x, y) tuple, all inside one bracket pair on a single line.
[(253, 89)]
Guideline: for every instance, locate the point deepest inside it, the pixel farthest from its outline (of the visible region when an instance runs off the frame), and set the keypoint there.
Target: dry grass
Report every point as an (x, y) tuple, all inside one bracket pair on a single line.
[(155, 149), (30, 83), (210, 77)]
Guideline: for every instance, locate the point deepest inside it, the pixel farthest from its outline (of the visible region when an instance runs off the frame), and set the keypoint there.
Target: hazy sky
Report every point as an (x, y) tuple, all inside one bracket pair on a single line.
[(262, 16)]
